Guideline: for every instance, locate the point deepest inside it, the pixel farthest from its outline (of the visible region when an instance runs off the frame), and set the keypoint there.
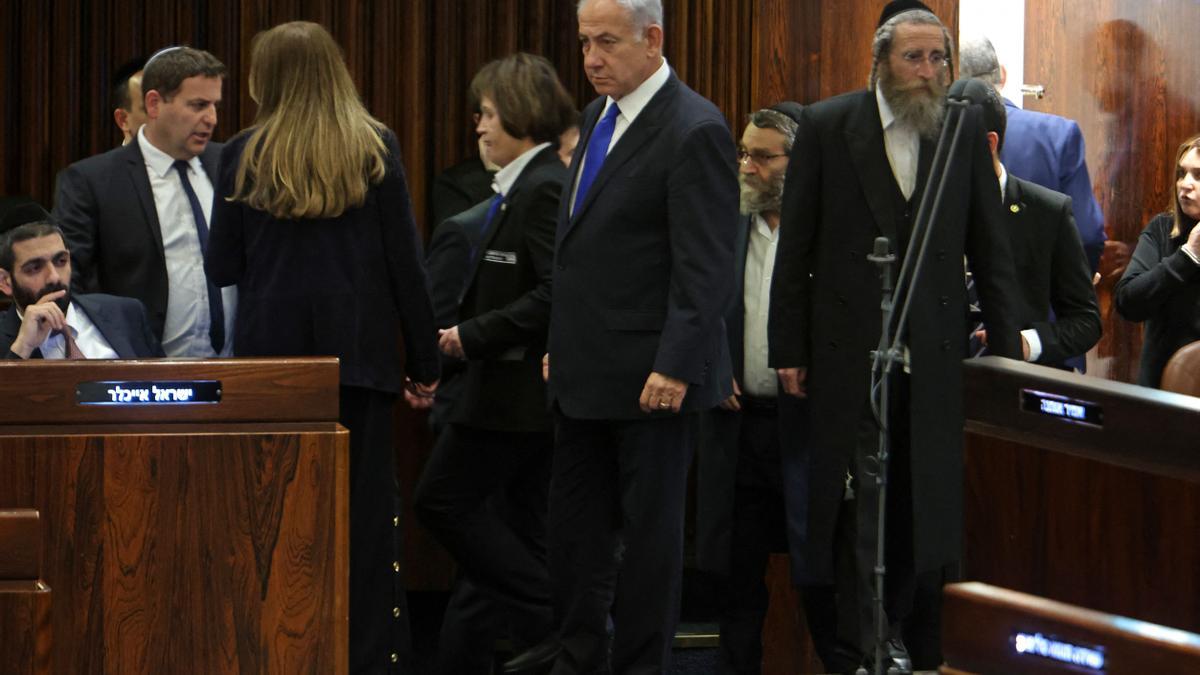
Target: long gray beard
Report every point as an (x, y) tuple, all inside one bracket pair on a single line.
[(757, 197), (920, 109)]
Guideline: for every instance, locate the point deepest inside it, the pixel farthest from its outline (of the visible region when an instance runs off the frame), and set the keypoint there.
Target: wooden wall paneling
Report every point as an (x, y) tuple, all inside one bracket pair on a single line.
[(1135, 102)]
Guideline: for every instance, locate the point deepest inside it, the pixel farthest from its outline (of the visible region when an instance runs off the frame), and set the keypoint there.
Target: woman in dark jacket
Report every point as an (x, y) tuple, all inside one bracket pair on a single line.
[(1161, 286), (312, 222)]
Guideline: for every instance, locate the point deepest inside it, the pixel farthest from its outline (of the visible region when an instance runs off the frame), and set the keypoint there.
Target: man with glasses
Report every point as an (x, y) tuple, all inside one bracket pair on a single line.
[(750, 500), (858, 170)]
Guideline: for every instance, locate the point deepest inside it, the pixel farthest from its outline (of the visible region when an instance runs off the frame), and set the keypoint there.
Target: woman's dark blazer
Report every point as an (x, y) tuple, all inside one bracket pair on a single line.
[(1161, 286), (328, 286), (505, 307)]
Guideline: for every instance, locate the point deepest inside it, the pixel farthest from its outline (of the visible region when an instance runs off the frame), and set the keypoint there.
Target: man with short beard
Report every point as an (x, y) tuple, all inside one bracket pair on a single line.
[(750, 496), (45, 321), (858, 170)]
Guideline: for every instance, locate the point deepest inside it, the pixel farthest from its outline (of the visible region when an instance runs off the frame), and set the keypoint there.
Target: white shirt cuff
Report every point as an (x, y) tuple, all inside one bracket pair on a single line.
[(1188, 252), (1035, 343)]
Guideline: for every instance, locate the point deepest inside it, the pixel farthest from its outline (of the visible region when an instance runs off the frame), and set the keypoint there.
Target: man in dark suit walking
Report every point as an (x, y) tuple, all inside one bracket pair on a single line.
[(47, 321), (136, 217), (857, 172), (643, 273), (750, 463), (1048, 256)]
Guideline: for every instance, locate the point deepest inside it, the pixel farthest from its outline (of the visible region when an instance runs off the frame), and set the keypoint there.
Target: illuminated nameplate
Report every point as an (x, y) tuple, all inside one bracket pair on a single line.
[(126, 393), (1053, 649), (1069, 409)]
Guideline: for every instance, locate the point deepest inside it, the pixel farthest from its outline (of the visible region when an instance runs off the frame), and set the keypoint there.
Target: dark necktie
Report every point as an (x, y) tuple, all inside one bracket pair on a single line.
[(597, 150), (216, 308), (71, 348)]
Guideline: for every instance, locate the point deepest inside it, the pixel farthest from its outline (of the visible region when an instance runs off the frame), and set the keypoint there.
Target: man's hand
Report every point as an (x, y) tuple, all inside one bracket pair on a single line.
[(732, 403), (1024, 349), (450, 343), (792, 380), (662, 393), (419, 396), (40, 319), (546, 367)]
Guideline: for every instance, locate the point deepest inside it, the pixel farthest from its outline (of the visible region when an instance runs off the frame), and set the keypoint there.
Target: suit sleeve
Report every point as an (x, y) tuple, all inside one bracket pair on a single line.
[(527, 318), (1076, 327), (791, 282), (406, 271), (148, 346), (1077, 184), (447, 262), (225, 260), (702, 205), (76, 211), (990, 253), (1151, 279)]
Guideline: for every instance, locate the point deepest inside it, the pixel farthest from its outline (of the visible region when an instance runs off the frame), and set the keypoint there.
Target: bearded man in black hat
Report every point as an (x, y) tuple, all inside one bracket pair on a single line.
[(858, 169)]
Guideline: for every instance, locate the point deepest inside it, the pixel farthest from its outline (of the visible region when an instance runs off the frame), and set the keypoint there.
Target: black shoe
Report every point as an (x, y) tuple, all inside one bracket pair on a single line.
[(901, 662), (537, 659)]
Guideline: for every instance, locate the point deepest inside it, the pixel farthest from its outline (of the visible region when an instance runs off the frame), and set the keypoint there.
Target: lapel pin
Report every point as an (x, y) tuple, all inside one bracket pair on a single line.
[(1014, 208)]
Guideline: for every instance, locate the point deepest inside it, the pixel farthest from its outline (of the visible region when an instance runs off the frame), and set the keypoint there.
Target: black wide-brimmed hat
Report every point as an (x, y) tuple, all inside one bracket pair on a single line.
[(18, 211), (897, 6)]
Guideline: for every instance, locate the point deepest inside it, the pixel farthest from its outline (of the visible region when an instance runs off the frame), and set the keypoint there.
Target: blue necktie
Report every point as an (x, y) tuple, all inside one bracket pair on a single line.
[(597, 150), (216, 308), (493, 209)]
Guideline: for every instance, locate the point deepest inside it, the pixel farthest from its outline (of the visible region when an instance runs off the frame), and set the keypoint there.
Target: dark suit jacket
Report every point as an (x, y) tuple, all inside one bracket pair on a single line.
[(106, 209), (642, 268), (1053, 270), (839, 196), (122, 322), (506, 305), (330, 286), (719, 442), (1161, 286), (458, 188), (1048, 150)]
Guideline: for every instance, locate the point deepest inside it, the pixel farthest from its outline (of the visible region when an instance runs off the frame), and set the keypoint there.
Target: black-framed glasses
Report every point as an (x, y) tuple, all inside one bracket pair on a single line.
[(759, 158)]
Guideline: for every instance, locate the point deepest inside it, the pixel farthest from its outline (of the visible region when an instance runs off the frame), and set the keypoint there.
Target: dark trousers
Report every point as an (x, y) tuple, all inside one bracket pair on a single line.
[(379, 631), (843, 617), (759, 529), (617, 493), (482, 494)]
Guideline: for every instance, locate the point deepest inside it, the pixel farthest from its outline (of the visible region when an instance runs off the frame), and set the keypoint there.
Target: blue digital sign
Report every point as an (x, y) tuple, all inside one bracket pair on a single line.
[(1054, 649), (155, 393), (1062, 407)]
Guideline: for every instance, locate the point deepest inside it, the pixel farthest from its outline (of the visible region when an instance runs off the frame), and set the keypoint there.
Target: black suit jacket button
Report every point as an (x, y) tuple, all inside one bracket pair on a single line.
[(945, 345), (854, 255), (841, 299), (832, 346), (941, 255), (561, 268), (944, 300)]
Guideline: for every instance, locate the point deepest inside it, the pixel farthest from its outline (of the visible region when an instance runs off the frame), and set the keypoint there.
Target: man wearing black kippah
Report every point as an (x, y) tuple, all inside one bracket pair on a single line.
[(858, 170)]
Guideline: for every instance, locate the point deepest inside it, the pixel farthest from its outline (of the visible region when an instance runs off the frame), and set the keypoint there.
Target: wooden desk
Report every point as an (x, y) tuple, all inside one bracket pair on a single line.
[(1106, 517), (202, 538)]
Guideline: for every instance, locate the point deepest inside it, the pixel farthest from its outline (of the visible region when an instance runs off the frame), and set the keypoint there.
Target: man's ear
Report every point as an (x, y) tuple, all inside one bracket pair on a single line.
[(993, 140), (1003, 76), (6, 283), (654, 38), (121, 117), (153, 101)]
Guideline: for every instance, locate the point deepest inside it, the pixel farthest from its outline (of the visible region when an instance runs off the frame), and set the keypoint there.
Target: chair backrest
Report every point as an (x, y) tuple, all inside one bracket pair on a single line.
[(1182, 374)]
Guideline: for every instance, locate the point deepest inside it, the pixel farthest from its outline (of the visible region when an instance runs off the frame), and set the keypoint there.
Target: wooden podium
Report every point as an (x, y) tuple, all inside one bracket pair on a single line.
[(1083, 491), (182, 536)]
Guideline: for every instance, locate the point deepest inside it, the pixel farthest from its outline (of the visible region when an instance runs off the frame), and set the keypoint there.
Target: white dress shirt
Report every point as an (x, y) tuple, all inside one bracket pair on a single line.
[(503, 181), (903, 145), (88, 339), (186, 328), (630, 105), (758, 379)]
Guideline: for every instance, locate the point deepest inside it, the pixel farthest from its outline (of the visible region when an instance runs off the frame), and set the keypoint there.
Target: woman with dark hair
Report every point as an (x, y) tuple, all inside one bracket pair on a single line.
[(1161, 286), (483, 492), (312, 222)]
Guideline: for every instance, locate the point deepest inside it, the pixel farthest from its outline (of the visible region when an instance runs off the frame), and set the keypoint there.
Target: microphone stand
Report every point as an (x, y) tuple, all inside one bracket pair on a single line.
[(892, 349)]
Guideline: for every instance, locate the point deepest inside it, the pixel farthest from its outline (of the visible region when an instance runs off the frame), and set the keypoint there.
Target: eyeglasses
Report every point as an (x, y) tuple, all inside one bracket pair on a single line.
[(915, 59), (759, 158)]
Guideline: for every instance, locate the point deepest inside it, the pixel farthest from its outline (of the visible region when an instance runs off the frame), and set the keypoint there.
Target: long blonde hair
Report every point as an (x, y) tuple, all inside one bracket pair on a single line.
[(315, 149)]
